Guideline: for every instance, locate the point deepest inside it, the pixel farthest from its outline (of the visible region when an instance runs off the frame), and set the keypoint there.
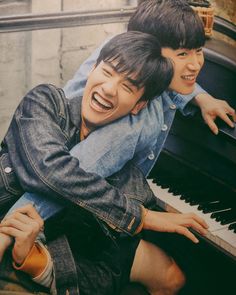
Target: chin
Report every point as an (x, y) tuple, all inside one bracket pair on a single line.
[(185, 91)]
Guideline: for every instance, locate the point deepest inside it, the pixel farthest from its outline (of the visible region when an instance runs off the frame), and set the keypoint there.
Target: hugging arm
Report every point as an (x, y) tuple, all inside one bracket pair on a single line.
[(41, 160)]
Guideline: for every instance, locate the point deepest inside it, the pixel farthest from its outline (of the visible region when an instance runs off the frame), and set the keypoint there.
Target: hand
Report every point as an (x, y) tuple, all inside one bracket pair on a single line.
[(175, 223), (5, 242), (23, 224), (211, 108)]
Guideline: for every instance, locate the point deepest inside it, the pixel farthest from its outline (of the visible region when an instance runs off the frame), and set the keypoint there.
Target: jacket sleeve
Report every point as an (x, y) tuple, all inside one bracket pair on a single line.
[(183, 101), (42, 162), (75, 86)]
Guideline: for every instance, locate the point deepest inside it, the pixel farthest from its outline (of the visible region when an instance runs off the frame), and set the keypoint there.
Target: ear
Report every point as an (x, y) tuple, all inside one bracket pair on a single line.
[(138, 107)]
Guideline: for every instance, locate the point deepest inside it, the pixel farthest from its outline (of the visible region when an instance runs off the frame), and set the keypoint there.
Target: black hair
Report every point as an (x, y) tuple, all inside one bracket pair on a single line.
[(173, 22), (138, 56)]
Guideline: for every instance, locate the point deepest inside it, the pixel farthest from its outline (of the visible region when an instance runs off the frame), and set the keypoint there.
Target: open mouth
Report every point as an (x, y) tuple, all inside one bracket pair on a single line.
[(190, 78), (99, 103)]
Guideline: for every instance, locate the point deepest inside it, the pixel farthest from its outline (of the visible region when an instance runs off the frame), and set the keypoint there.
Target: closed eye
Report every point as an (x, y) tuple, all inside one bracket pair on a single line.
[(199, 50), (106, 72), (127, 88)]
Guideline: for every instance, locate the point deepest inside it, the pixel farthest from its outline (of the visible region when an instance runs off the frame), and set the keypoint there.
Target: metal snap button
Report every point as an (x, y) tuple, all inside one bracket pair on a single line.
[(151, 156), (8, 170), (172, 106), (164, 127)]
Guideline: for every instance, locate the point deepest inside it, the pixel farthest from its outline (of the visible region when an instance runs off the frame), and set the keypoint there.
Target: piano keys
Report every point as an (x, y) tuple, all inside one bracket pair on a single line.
[(221, 231)]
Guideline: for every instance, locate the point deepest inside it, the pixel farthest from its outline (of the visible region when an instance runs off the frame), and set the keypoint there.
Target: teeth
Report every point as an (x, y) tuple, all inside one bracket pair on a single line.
[(188, 77), (102, 101)]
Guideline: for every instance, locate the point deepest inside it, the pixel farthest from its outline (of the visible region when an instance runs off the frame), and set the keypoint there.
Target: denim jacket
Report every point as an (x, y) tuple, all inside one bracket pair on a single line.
[(35, 158)]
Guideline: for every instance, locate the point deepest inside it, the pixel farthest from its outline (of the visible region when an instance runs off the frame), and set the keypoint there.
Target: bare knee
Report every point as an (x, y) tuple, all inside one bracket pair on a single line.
[(175, 279), (157, 271)]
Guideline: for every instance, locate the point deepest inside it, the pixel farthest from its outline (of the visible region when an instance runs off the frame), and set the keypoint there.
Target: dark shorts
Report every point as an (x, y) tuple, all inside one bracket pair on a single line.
[(103, 258), (107, 271)]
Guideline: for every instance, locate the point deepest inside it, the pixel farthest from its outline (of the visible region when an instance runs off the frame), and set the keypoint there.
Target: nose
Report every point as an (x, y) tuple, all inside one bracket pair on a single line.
[(195, 62), (109, 87)]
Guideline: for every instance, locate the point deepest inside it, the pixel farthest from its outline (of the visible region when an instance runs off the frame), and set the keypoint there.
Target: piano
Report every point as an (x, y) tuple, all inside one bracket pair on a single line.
[(196, 172)]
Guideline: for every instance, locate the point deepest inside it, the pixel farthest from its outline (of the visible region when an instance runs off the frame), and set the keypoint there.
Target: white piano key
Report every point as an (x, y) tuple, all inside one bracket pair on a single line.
[(227, 240)]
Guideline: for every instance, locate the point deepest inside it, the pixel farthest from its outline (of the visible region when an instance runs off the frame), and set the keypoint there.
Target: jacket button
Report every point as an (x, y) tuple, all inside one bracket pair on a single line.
[(164, 127), (151, 156), (8, 170), (172, 106)]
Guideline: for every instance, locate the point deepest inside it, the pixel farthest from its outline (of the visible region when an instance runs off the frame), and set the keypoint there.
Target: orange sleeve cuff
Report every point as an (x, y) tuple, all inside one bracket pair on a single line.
[(35, 263), (144, 213)]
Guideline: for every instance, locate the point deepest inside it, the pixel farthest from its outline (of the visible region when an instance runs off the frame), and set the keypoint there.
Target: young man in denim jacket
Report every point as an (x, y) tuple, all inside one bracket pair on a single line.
[(46, 125), (151, 156)]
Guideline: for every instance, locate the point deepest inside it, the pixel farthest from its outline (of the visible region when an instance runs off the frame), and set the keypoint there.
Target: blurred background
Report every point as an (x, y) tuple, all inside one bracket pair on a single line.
[(45, 41)]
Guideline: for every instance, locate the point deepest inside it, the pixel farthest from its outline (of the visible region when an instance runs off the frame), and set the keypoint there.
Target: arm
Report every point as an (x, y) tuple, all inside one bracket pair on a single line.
[(41, 160), (29, 255), (75, 86)]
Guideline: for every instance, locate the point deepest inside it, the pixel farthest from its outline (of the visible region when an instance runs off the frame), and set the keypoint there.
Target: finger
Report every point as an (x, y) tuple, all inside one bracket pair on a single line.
[(20, 217), (199, 220), (211, 124), (230, 110), (196, 226), (185, 232), (14, 223), (226, 118), (31, 212), (234, 116), (11, 231), (30, 228)]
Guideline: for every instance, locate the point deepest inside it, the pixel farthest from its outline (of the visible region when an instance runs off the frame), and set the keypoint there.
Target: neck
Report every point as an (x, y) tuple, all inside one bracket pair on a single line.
[(85, 129)]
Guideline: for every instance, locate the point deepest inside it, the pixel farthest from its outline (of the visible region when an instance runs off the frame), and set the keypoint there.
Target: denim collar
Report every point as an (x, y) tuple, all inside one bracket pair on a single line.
[(75, 110)]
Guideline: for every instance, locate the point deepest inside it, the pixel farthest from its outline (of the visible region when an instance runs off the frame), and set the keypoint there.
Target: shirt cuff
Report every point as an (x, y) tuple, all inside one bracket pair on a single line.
[(140, 227), (35, 262), (182, 101), (38, 264)]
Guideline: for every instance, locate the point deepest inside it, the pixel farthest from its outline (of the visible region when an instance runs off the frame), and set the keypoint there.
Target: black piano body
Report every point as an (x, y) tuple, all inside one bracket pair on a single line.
[(203, 166)]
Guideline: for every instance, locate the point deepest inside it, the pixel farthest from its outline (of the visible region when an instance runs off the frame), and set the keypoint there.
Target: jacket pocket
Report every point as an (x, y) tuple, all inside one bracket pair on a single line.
[(9, 179)]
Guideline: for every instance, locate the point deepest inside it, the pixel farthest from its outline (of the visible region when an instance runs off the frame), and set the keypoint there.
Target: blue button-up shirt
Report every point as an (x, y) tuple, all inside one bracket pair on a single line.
[(137, 137)]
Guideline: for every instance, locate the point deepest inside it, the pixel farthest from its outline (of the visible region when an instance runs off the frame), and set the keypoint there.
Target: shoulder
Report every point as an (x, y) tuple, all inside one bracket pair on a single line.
[(46, 96)]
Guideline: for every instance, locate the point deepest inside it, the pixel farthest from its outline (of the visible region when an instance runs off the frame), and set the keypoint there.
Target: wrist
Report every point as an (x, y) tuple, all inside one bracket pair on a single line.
[(200, 99), (19, 260), (144, 214)]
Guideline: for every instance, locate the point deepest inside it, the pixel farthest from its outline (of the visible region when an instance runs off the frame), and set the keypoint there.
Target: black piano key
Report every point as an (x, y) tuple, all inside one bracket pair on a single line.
[(213, 206), (230, 218), (220, 215), (232, 226)]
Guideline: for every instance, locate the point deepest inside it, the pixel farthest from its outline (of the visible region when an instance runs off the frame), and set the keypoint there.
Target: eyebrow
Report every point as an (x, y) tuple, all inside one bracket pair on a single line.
[(130, 80)]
